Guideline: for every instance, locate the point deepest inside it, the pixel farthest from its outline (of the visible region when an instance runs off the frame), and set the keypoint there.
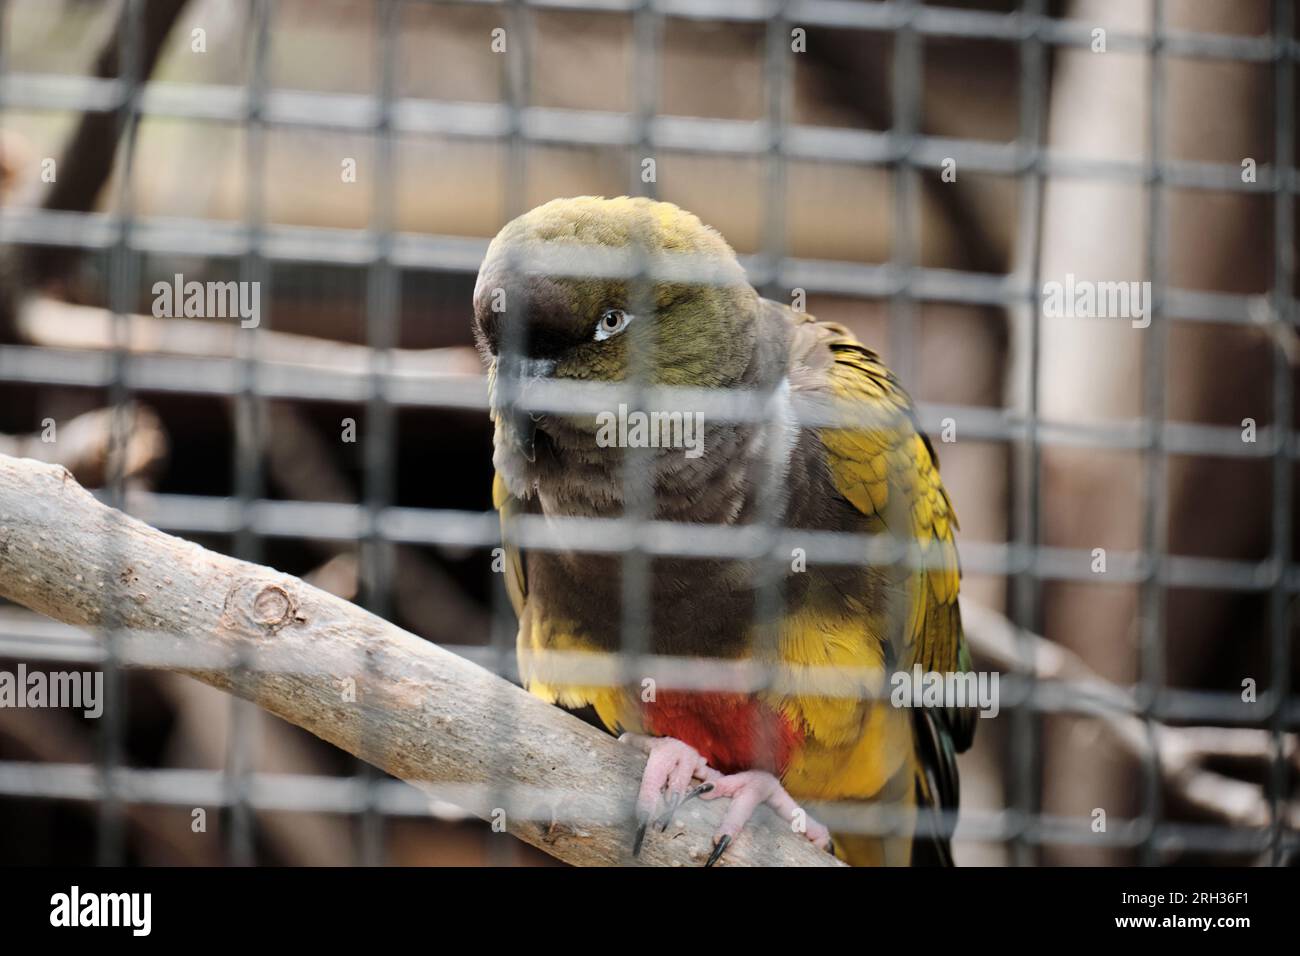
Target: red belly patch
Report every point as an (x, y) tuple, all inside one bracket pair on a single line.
[(733, 732)]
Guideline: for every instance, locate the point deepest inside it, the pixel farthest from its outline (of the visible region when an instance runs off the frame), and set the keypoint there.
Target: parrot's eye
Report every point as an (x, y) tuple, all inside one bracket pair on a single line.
[(612, 322)]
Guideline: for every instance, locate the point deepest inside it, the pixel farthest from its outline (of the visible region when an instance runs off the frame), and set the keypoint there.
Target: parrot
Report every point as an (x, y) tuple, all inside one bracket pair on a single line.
[(547, 310)]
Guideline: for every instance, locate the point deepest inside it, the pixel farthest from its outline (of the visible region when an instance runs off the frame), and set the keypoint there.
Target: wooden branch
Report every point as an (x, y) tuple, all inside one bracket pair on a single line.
[(50, 322), (419, 712), (424, 595), (84, 445), (88, 157), (202, 729), (1184, 752)]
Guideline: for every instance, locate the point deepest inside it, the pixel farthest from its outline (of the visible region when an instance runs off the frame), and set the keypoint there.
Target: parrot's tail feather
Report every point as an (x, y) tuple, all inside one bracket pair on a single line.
[(937, 791)]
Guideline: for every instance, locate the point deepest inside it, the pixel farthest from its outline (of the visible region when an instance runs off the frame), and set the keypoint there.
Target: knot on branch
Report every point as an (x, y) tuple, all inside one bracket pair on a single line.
[(260, 608)]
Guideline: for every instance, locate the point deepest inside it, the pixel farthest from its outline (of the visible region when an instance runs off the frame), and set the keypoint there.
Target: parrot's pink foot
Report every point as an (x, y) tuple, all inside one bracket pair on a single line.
[(747, 790), (671, 767)]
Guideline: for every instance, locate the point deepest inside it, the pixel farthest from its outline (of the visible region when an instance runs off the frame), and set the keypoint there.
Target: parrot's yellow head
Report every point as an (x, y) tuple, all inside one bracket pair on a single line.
[(558, 285), (569, 290)]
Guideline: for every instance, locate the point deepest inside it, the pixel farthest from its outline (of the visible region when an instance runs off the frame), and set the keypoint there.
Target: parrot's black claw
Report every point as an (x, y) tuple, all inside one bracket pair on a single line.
[(667, 817), (718, 850), (642, 822)]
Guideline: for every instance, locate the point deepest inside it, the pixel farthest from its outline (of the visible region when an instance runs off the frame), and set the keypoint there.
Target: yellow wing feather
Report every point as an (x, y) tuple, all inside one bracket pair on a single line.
[(887, 471)]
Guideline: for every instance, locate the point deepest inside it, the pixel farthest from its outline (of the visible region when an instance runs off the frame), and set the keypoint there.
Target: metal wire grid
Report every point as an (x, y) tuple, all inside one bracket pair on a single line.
[(375, 522)]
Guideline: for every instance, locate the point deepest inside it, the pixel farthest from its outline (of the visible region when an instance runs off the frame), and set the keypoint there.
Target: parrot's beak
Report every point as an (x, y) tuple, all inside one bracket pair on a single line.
[(525, 372), (526, 432)]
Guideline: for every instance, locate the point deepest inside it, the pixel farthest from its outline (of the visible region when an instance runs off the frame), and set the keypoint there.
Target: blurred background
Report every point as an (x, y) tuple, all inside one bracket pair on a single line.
[(355, 157)]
